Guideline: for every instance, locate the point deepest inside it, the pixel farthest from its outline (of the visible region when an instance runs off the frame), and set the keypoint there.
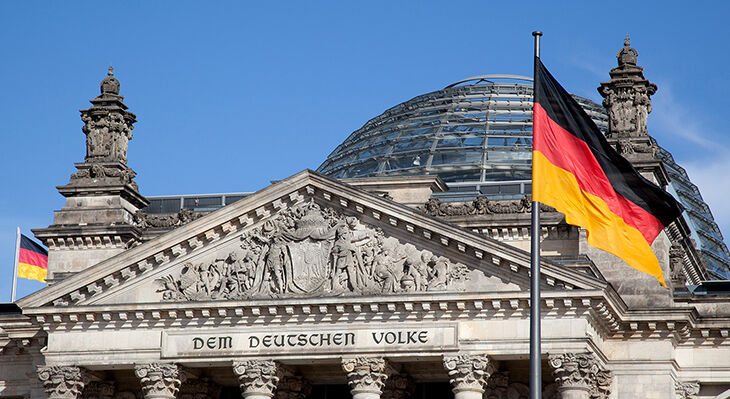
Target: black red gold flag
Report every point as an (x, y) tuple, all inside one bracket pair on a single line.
[(32, 260), (576, 171)]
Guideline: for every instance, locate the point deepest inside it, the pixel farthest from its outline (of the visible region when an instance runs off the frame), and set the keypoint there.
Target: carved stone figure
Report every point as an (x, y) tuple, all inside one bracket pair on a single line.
[(306, 251), (676, 263), (686, 390), (184, 216), (63, 382)]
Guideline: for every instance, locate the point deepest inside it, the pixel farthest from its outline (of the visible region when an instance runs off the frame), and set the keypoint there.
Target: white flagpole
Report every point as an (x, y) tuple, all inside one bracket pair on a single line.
[(15, 265)]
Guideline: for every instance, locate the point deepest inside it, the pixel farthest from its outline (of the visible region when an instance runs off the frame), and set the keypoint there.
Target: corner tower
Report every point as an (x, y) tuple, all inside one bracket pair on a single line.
[(101, 197)]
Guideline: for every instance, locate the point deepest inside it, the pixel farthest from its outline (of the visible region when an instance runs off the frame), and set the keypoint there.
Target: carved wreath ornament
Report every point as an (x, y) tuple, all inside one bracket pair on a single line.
[(307, 250)]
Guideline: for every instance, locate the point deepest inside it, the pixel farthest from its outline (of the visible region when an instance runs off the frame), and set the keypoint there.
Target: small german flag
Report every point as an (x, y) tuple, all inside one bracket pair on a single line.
[(576, 171), (32, 260)]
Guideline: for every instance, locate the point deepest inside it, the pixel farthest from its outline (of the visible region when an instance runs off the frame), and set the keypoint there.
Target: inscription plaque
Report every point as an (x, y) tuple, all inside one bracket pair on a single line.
[(241, 342)]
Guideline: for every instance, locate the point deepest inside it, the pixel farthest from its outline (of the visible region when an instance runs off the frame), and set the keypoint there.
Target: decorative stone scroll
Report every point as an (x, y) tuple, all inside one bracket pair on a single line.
[(63, 382), (158, 380), (257, 378), (580, 375), (480, 206), (686, 389), (184, 216), (305, 251), (468, 373), (366, 375)]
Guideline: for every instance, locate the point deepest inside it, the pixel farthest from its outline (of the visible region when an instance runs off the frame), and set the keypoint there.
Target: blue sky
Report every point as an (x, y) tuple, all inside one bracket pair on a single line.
[(231, 95)]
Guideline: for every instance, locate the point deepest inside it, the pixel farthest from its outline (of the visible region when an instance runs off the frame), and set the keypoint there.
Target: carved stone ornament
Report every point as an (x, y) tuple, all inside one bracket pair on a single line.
[(306, 251), (62, 382), (398, 386), (99, 390), (497, 385), (468, 372), (686, 390), (366, 374), (581, 371), (103, 174), (480, 206), (199, 388), (257, 377), (676, 263), (146, 220), (158, 380), (293, 387)]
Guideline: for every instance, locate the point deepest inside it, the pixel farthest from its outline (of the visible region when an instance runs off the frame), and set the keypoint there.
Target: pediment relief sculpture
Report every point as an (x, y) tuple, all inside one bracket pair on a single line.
[(307, 250)]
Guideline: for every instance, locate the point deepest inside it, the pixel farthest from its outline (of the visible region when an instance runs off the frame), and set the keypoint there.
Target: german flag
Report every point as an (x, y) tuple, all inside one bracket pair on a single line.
[(576, 171), (32, 260)]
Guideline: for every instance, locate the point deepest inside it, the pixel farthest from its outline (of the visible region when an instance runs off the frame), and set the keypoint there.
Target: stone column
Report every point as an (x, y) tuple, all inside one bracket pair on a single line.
[(468, 375), (199, 388), (257, 378), (99, 390), (158, 380), (63, 382), (366, 376), (580, 376), (398, 386), (293, 387)]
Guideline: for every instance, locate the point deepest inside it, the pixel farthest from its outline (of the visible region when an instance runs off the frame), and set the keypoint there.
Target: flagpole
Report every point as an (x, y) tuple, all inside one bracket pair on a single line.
[(15, 265), (535, 360)]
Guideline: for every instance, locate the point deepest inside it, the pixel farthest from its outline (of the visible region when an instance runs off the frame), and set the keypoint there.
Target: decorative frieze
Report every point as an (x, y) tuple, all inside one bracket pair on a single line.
[(158, 380), (366, 375), (686, 389), (580, 374), (257, 378), (468, 372), (63, 382), (480, 206)]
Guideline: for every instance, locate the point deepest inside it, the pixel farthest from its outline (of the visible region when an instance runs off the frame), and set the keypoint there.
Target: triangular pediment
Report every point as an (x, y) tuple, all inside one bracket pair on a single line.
[(306, 236)]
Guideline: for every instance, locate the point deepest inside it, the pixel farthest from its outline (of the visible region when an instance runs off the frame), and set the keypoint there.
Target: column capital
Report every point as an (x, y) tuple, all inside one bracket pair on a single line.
[(99, 390), (63, 382), (293, 387), (199, 388), (686, 389), (257, 377), (581, 372), (159, 380), (398, 386), (468, 372), (366, 375)]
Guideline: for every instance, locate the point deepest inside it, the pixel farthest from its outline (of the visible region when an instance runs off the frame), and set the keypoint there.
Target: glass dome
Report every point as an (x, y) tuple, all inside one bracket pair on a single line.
[(476, 134)]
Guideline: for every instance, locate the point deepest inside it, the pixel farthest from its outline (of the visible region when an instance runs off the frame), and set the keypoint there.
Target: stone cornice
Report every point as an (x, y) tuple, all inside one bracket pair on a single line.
[(213, 227)]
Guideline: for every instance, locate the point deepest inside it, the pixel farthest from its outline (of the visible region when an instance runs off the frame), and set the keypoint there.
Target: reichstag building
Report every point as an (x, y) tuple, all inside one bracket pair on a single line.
[(398, 269)]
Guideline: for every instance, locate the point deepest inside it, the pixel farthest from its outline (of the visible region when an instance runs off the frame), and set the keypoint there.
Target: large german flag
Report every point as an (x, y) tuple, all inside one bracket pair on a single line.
[(576, 171), (32, 260)]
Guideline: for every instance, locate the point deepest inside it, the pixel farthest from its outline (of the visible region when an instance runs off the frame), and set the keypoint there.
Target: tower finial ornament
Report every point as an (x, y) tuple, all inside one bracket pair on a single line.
[(111, 71), (627, 40)]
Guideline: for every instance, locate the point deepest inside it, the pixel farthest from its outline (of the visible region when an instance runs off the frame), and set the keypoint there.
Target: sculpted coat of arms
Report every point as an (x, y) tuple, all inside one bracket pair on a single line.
[(306, 251)]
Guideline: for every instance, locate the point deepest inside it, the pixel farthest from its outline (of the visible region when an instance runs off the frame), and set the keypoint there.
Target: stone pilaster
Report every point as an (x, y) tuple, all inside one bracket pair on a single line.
[(686, 390), (99, 390), (63, 382), (580, 376), (293, 387), (398, 386), (366, 376), (497, 385), (158, 380), (199, 388), (468, 374), (257, 378)]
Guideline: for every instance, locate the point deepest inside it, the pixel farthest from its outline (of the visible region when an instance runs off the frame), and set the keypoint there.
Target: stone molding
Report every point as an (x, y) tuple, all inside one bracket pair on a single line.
[(99, 390), (293, 387), (159, 380), (63, 382), (468, 372), (366, 374), (258, 377), (398, 386), (581, 371), (686, 389), (233, 220)]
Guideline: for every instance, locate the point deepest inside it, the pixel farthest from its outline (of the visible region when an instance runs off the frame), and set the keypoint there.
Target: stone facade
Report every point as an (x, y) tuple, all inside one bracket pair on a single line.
[(314, 284)]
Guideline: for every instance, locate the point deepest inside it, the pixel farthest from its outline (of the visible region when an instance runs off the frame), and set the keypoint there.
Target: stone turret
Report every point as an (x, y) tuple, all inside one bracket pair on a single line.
[(627, 98), (101, 197)]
